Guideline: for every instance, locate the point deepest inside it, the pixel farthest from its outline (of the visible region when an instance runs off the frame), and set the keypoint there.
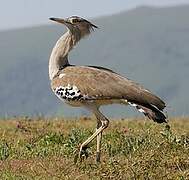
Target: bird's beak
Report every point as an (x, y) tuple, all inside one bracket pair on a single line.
[(94, 26), (62, 21), (59, 20)]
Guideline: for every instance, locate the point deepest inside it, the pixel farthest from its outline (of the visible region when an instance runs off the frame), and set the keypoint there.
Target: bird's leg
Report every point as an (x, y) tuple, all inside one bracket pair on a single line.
[(104, 125), (99, 137)]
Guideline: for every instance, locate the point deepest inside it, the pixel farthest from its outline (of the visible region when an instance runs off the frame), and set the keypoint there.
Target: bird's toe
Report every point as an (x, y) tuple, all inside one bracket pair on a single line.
[(83, 153), (98, 157)]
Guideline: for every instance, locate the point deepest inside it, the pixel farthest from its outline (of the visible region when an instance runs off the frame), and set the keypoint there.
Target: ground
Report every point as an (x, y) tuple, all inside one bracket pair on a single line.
[(44, 148)]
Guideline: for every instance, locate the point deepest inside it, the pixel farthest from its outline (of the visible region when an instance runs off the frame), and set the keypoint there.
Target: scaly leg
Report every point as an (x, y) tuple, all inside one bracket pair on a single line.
[(104, 124), (99, 137)]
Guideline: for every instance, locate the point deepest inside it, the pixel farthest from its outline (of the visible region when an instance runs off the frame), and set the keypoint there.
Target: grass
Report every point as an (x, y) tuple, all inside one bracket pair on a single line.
[(131, 149)]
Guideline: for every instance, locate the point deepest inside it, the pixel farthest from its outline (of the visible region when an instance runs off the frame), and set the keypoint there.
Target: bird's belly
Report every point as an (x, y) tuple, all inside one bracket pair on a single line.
[(73, 97), (110, 101), (97, 102), (101, 102), (74, 103)]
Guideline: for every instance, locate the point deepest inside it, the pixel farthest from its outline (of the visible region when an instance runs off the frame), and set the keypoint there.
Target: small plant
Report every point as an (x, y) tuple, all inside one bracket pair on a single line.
[(52, 138), (119, 143), (74, 139), (4, 151), (175, 139)]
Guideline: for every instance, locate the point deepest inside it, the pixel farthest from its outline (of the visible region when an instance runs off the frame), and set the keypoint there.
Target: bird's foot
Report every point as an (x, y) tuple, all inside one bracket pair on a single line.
[(83, 154), (98, 157)]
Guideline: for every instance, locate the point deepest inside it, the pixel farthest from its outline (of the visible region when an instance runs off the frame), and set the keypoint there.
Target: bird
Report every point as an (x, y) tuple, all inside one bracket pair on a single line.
[(93, 86)]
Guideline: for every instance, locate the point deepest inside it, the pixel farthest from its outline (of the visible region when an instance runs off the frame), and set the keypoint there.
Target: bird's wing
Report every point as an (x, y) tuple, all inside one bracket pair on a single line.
[(102, 84)]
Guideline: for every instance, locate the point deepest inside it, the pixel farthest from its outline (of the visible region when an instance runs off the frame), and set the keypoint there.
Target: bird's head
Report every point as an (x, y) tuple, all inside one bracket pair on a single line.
[(76, 25)]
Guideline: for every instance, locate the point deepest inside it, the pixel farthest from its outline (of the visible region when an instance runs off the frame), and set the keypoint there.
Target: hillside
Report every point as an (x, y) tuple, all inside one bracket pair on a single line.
[(148, 45)]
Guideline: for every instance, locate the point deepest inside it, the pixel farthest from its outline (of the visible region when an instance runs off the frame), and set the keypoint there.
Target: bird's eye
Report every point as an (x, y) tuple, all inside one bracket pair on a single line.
[(74, 20)]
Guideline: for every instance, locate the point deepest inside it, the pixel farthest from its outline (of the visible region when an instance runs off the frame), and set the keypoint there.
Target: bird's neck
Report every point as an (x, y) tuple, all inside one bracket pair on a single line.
[(59, 56)]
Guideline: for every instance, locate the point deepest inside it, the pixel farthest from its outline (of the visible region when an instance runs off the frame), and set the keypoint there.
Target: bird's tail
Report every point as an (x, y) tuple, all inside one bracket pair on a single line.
[(151, 112)]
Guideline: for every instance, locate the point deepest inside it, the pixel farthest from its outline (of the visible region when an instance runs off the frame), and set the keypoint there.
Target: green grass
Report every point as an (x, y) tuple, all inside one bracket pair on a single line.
[(131, 149)]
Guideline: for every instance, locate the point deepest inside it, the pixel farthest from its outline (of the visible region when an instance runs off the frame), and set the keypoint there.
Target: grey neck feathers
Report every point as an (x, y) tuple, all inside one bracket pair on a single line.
[(59, 55)]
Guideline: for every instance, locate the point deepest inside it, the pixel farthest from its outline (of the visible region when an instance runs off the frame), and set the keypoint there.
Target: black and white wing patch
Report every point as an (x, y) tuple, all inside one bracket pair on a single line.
[(151, 112), (70, 93)]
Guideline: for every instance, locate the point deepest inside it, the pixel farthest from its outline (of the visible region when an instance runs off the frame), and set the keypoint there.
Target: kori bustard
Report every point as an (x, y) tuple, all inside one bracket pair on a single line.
[(93, 86)]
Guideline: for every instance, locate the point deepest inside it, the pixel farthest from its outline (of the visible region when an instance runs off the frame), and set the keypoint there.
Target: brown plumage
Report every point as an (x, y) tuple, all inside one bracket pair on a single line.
[(92, 86), (101, 85)]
